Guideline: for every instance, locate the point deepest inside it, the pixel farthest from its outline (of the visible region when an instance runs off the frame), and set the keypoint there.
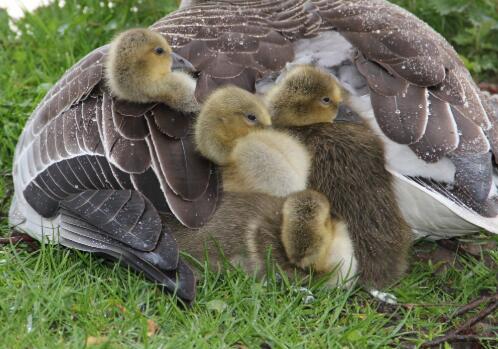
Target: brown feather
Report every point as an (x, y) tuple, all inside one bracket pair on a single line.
[(127, 108), (186, 172), (128, 155), (379, 80), (73, 86), (472, 138), (129, 127), (403, 117), (171, 122), (348, 167), (441, 135)]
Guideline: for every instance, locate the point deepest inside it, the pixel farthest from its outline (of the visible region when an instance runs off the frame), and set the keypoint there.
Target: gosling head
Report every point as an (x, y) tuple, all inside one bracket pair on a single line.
[(307, 95), (139, 67), (227, 115), (308, 230)]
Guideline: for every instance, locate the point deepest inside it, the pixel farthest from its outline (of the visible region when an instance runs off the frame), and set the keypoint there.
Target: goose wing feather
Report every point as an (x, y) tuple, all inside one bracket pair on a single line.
[(405, 50), (188, 181), (161, 265), (248, 40), (74, 86), (123, 215), (441, 135)]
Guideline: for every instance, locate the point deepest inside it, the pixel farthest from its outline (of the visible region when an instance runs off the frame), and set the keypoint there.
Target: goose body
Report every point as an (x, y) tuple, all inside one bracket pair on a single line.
[(83, 151)]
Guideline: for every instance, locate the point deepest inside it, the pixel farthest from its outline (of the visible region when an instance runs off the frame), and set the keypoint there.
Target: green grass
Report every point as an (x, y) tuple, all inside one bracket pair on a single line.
[(57, 298)]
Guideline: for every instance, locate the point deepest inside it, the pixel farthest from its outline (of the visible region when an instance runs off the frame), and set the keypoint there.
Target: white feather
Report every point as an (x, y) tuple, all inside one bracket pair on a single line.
[(432, 214)]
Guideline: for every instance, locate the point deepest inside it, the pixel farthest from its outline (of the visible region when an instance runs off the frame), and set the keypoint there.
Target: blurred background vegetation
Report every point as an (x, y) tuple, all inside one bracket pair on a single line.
[(469, 25)]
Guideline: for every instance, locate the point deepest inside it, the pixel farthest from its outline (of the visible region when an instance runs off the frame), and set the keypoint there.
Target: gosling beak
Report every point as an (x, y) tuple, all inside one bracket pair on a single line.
[(180, 63), (344, 113)]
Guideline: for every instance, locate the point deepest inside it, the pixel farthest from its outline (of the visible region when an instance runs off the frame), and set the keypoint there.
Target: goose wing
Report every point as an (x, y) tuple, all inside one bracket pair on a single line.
[(421, 92), (81, 140), (79, 116), (422, 95)]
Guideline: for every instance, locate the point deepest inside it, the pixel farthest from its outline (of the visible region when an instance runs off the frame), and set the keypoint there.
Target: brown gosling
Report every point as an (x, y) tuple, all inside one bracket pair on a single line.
[(299, 231), (306, 96), (233, 131), (348, 166), (139, 69)]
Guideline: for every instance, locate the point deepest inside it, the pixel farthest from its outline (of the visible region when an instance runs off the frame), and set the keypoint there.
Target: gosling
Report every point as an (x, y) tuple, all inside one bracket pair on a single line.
[(306, 96), (139, 67), (298, 230), (233, 131)]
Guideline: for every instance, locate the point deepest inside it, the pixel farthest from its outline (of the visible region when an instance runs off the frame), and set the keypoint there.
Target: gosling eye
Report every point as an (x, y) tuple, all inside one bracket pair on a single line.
[(326, 100), (251, 118), (159, 51)]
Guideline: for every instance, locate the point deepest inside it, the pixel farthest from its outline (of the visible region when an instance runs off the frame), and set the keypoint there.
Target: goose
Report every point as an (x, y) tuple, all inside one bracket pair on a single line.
[(232, 130), (298, 230), (404, 80), (348, 167)]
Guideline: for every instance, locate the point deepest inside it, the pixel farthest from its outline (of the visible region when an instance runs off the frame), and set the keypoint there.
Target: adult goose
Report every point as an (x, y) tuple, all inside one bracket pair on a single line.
[(93, 171)]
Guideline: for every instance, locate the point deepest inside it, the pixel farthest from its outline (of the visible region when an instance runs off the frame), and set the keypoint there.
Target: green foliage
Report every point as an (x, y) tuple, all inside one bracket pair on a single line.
[(57, 298), (471, 26)]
